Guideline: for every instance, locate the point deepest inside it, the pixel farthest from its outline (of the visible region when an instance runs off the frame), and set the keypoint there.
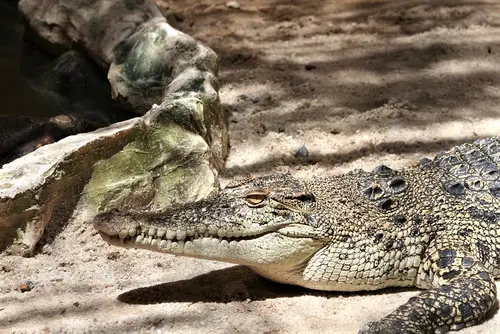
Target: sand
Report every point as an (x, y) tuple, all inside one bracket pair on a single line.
[(310, 87)]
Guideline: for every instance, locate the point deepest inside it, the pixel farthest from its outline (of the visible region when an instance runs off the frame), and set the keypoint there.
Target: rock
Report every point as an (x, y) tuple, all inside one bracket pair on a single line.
[(26, 286), (302, 152), (233, 4), (43, 187), (171, 154), (162, 166), (158, 59)]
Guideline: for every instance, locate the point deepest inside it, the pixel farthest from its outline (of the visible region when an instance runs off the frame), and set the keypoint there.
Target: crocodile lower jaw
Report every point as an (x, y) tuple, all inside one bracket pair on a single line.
[(296, 245), (190, 245)]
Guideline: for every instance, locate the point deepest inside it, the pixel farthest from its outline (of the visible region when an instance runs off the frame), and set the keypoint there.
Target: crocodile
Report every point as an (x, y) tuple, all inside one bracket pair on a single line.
[(434, 225)]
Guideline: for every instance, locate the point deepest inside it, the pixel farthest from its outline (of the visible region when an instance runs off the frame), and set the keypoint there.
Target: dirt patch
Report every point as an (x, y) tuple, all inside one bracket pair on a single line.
[(314, 88)]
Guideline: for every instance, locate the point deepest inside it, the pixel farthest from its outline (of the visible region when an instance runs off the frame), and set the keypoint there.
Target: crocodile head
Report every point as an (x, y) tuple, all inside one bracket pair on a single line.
[(265, 223)]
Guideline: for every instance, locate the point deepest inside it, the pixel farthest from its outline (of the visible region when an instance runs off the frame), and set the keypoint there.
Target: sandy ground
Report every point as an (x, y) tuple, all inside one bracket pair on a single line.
[(358, 83)]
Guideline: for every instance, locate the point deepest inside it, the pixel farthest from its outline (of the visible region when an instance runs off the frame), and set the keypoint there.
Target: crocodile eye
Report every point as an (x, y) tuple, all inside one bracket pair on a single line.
[(256, 199)]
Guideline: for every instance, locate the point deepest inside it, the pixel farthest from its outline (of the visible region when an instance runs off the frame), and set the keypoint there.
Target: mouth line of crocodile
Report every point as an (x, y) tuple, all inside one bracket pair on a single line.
[(152, 240), (169, 241)]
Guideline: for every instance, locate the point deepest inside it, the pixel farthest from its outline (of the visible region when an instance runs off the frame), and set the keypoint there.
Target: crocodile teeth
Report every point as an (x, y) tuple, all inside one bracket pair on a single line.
[(206, 242), (170, 235), (166, 244), (175, 247), (154, 242), (147, 241), (188, 246), (175, 240), (181, 235)]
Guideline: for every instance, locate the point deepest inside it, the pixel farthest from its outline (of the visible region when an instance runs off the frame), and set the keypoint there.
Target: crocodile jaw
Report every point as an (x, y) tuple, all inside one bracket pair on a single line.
[(286, 245), (254, 252)]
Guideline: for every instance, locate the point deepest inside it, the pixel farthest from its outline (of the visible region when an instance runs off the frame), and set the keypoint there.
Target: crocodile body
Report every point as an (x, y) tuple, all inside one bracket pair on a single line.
[(434, 225)]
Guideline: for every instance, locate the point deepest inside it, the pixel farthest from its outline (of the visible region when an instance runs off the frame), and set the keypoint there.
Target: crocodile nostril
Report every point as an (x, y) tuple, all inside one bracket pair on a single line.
[(373, 192)]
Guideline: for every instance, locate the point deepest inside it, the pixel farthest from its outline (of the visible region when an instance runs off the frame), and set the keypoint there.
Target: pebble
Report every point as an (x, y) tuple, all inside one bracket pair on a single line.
[(309, 67), (233, 4), (26, 286), (302, 152)]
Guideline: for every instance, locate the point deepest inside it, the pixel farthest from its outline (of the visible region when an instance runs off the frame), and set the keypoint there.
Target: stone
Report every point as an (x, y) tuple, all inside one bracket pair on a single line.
[(43, 187), (233, 4), (170, 154), (302, 152)]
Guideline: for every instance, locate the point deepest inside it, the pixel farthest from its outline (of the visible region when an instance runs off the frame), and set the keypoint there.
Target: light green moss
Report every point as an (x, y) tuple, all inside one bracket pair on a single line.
[(164, 164)]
